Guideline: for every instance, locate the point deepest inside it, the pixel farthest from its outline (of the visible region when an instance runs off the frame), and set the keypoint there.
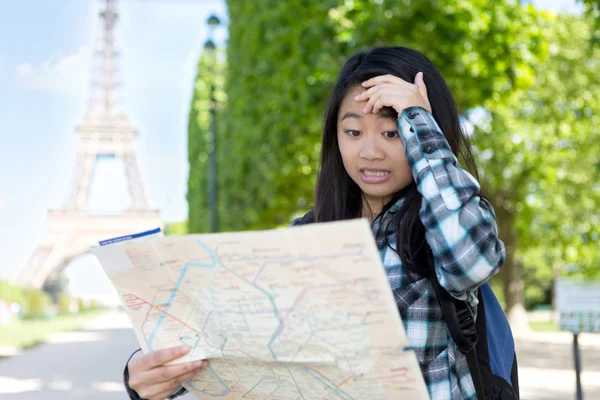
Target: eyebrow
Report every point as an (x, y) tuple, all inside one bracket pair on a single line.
[(383, 113), (351, 115)]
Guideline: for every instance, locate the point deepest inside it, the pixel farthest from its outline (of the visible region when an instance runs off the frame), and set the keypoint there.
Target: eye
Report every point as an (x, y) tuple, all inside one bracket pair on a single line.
[(390, 134), (352, 133)]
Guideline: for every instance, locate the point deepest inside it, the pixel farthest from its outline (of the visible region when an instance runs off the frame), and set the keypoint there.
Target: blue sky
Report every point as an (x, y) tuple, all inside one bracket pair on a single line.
[(45, 67), (45, 64)]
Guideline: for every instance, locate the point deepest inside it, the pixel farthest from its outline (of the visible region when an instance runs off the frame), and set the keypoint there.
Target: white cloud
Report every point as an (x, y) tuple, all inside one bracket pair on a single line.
[(24, 70), (59, 73)]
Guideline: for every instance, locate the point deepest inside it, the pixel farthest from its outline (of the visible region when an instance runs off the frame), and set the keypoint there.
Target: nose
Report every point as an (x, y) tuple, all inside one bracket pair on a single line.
[(370, 148)]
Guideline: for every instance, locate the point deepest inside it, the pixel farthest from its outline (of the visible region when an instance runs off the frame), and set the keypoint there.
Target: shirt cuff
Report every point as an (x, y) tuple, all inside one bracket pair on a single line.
[(423, 138), (430, 156), (130, 392)]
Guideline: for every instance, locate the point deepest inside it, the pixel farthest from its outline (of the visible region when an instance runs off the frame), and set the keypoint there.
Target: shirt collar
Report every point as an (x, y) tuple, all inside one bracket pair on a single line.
[(381, 226)]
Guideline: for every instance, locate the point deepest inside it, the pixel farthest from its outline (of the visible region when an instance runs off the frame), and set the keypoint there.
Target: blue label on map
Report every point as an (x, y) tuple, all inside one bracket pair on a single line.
[(129, 237)]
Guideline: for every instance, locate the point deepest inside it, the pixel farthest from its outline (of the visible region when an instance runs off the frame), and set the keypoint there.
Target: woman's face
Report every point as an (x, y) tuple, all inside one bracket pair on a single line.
[(372, 151)]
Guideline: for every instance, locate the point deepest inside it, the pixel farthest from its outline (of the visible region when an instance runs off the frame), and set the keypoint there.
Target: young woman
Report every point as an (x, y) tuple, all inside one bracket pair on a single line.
[(391, 142)]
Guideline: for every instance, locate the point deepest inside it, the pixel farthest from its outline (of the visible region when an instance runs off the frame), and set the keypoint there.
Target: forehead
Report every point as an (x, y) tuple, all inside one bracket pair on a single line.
[(348, 103)]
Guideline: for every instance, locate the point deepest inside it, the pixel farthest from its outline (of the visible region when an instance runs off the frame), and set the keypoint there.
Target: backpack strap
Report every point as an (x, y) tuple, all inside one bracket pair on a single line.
[(461, 324)]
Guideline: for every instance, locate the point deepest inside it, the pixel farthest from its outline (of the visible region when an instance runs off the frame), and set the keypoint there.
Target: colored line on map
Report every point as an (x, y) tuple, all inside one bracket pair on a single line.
[(296, 383), (225, 391), (133, 301), (128, 297), (309, 258), (177, 319), (378, 378), (281, 326), (341, 394), (212, 264), (287, 261), (191, 312), (136, 305), (200, 333)]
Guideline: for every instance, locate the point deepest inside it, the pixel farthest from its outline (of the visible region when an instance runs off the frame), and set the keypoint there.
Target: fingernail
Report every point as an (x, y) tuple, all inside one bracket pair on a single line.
[(198, 364), (183, 348)]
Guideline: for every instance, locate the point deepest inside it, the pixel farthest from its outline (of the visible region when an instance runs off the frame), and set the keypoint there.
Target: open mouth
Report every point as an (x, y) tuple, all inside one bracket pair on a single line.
[(374, 176), (374, 173)]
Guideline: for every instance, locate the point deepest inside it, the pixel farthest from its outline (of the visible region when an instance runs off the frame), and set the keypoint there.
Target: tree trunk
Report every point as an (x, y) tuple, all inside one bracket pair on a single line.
[(512, 281)]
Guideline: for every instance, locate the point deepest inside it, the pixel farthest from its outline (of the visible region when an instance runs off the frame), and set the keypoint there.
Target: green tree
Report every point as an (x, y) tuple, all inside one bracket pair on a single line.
[(282, 60), (592, 10), (539, 152), (37, 304), (211, 70), (176, 228), (287, 55), (11, 293), (64, 303)]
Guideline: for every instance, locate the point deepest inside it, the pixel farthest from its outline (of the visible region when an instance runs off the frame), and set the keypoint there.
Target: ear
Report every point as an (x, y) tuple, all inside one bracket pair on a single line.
[(420, 83)]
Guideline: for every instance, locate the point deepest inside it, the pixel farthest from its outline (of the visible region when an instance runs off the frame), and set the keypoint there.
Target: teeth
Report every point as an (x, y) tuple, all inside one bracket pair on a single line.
[(371, 173)]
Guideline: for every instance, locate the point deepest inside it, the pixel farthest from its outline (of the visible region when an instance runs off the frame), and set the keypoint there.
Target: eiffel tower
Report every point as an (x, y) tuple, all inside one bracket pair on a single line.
[(71, 229)]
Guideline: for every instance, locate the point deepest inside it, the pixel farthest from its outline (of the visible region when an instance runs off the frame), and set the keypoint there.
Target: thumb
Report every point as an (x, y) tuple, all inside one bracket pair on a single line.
[(420, 83)]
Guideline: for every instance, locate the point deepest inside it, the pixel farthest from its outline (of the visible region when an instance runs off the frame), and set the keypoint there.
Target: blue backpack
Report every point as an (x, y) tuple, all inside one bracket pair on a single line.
[(490, 352)]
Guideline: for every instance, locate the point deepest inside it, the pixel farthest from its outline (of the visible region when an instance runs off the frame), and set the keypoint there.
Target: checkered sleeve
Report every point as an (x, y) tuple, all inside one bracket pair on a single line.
[(460, 226)]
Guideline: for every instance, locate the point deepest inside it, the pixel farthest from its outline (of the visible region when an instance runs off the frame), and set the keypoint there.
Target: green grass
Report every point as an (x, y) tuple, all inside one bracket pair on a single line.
[(22, 334), (544, 326)]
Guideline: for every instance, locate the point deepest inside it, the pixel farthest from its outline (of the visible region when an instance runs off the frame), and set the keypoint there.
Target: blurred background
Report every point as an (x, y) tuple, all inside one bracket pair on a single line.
[(205, 115)]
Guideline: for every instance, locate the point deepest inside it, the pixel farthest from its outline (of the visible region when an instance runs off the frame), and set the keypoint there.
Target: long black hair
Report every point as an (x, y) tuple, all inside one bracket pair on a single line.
[(338, 197)]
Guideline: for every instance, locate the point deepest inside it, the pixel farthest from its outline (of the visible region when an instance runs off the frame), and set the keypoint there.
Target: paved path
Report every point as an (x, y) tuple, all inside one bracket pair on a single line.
[(78, 365), (88, 365), (546, 367)]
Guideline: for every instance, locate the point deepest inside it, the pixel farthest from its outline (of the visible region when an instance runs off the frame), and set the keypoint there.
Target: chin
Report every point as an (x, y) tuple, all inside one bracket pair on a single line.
[(382, 192)]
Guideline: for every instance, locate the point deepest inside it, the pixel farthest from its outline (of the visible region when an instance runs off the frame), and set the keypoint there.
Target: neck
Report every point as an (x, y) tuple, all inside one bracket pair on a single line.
[(372, 206)]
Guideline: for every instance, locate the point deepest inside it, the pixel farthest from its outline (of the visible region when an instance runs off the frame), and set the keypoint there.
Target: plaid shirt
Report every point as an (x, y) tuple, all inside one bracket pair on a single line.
[(461, 230), (462, 233)]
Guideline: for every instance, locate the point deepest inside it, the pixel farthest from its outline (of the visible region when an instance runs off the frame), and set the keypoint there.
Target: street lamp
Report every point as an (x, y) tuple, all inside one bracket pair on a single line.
[(212, 22)]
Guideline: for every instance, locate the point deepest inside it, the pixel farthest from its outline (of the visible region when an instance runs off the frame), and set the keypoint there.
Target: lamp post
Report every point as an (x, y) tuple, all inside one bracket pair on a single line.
[(213, 22)]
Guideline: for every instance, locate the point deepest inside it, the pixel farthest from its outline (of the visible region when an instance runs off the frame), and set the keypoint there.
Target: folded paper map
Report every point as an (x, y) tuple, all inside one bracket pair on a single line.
[(299, 313)]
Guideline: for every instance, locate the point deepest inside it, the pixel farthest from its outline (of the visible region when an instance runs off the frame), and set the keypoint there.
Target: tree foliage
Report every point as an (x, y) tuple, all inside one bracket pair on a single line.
[(282, 60), (211, 70), (592, 10), (287, 56), (539, 155)]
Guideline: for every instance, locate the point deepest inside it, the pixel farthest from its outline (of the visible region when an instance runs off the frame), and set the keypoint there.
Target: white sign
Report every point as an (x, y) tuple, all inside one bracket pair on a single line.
[(578, 305)]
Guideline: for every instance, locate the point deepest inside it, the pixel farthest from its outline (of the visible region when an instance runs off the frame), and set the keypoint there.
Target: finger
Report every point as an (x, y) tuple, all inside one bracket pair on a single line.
[(383, 98), (371, 102), (420, 84), (385, 101), (168, 372), (379, 104), (154, 392), (157, 358), (369, 92), (383, 79)]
